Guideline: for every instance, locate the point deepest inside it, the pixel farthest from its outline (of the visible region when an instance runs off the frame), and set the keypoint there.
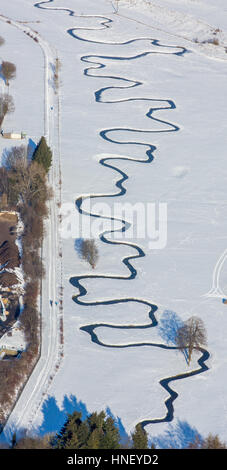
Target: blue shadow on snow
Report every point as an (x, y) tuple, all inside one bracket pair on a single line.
[(54, 417), (177, 436)]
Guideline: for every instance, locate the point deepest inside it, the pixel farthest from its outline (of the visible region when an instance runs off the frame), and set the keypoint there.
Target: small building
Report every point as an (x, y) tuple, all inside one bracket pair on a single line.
[(13, 135), (8, 352)]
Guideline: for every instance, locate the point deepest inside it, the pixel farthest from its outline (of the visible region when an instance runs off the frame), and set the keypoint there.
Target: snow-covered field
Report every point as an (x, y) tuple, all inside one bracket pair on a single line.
[(184, 83)]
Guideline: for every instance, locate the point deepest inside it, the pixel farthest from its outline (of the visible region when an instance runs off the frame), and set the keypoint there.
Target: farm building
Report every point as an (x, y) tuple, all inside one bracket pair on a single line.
[(6, 353), (13, 135)]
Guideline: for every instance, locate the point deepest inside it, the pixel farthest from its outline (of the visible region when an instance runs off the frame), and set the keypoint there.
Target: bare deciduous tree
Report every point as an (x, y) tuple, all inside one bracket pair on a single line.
[(8, 71), (27, 181), (89, 252), (16, 157), (1, 41), (191, 335), (4, 181), (6, 106), (213, 442), (210, 442)]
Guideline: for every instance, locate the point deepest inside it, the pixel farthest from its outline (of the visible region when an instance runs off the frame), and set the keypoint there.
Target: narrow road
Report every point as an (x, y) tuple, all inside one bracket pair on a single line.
[(37, 385)]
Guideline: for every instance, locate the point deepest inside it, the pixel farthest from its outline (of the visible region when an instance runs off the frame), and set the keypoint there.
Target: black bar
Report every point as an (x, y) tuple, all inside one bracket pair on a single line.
[(111, 459)]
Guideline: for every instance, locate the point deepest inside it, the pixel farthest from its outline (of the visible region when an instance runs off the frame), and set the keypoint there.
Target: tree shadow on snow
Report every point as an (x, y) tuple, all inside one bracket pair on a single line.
[(169, 324), (54, 416), (78, 245), (2, 77), (118, 422), (31, 146), (177, 436), (30, 149)]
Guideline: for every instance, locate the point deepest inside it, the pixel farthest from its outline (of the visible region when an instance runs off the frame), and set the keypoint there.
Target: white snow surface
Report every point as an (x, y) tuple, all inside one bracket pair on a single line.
[(15, 338), (188, 173), (199, 22)]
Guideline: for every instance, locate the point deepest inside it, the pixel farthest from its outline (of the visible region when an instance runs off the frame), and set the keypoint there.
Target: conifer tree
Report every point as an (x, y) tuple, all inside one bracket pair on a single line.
[(94, 439), (111, 437), (43, 154), (83, 433), (96, 420), (67, 438), (139, 438), (95, 432)]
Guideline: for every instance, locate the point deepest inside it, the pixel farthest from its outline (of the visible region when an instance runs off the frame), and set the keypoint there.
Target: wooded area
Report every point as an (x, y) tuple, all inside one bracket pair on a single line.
[(24, 188)]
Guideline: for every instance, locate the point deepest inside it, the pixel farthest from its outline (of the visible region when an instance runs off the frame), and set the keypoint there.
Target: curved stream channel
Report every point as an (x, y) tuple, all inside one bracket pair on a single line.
[(96, 62)]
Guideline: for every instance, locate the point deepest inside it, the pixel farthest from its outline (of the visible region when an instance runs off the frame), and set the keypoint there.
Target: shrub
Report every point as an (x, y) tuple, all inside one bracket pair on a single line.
[(215, 41), (32, 264)]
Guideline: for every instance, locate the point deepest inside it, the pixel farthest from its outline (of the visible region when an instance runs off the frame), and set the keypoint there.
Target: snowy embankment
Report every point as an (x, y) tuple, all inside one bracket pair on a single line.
[(199, 22), (129, 87)]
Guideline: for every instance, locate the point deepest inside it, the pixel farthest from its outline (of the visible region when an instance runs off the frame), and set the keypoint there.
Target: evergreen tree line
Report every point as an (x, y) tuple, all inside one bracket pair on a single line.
[(99, 431)]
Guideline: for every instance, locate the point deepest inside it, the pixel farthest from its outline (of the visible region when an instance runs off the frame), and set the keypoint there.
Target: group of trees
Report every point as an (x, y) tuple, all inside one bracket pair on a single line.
[(24, 185), (99, 431), (8, 72), (210, 442), (96, 432), (24, 181), (21, 186)]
